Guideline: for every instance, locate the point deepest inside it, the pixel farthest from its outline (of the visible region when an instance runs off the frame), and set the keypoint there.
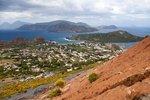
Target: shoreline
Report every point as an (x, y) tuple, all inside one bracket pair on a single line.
[(68, 39), (73, 41), (127, 45)]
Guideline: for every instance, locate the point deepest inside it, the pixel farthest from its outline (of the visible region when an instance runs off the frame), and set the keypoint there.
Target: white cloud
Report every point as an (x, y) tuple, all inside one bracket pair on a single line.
[(12, 15), (106, 11)]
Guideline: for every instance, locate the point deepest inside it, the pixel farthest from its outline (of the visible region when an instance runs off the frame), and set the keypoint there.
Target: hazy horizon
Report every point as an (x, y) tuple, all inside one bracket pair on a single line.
[(93, 12)]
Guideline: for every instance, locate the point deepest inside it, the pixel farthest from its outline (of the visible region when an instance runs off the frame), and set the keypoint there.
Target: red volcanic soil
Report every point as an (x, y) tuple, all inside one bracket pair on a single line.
[(126, 77)]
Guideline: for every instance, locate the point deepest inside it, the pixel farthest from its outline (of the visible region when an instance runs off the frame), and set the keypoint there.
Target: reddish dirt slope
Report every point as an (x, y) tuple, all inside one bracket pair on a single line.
[(126, 77)]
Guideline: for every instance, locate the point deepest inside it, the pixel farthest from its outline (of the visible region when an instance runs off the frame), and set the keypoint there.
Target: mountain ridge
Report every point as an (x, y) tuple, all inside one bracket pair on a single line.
[(59, 26)]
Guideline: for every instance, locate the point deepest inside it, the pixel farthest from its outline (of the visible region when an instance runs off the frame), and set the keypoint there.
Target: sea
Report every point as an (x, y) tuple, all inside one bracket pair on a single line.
[(60, 37)]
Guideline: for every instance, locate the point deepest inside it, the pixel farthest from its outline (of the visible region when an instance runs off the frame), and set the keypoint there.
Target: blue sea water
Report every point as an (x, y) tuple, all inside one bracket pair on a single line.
[(60, 37), (126, 45)]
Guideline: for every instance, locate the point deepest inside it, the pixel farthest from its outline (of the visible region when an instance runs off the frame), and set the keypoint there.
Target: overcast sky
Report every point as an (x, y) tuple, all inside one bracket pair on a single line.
[(93, 12)]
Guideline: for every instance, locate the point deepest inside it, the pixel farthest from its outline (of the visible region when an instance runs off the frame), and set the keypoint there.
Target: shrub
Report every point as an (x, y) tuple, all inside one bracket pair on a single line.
[(93, 77), (60, 82), (54, 93)]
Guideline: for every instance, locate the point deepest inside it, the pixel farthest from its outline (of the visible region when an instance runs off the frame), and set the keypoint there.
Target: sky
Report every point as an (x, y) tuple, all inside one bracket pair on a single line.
[(92, 12)]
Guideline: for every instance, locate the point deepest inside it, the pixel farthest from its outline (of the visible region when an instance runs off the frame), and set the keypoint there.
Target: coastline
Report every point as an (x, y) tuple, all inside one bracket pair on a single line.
[(68, 39)]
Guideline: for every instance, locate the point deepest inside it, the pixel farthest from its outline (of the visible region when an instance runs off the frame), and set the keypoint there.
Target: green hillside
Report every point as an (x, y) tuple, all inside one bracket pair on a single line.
[(116, 36)]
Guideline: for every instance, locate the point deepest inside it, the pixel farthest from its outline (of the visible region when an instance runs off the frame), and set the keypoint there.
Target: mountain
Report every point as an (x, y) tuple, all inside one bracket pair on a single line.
[(126, 77), (107, 27), (59, 26), (5, 25), (83, 24), (116, 36), (8, 26)]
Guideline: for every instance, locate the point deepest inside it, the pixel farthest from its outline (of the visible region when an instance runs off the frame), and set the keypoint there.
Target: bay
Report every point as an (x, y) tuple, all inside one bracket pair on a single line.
[(60, 37)]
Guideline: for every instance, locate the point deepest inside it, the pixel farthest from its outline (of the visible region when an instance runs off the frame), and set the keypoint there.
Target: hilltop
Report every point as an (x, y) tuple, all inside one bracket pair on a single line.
[(59, 26), (116, 36), (126, 77)]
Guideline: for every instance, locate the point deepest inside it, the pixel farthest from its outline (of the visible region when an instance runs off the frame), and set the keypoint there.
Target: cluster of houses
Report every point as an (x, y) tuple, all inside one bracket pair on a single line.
[(46, 57)]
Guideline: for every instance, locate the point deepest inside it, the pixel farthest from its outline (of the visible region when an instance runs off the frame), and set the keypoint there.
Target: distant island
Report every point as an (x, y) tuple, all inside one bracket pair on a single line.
[(107, 27), (59, 26), (116, 36), (12, 26)]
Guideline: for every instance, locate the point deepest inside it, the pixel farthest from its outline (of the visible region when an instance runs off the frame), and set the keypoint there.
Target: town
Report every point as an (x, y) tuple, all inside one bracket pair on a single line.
[(49, 58)]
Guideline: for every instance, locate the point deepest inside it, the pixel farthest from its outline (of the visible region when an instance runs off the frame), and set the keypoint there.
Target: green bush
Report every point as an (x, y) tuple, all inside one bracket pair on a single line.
[(60, 82), (93, 77), (54, 93)]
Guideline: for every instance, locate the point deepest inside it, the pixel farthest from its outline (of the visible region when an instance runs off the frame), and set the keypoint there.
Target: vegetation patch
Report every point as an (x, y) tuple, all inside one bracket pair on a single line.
[(60, 83), (10, 89), (93, 77), (55, 93)]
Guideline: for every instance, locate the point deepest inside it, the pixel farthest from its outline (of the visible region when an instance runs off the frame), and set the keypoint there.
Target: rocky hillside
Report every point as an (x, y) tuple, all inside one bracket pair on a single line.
[(59, 26), (126, 77), (116, 36)]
